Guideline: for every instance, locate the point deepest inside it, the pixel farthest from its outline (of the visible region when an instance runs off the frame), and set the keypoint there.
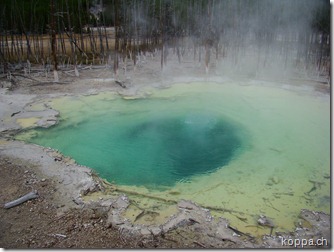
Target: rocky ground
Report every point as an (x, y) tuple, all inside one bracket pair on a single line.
[(44, 223), (60, 218)]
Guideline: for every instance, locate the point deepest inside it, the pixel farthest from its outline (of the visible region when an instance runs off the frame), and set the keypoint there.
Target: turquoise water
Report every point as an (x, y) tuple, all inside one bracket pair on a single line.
[(151, 147), (254, 149)]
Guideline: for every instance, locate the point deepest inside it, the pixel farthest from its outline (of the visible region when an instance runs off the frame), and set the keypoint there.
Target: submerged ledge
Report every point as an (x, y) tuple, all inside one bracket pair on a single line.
[(76, 182)]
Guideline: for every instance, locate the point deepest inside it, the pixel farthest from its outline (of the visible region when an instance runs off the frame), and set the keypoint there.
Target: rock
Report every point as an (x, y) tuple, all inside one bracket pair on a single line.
[(272, 181), (121, 203), (47, 122), (317, 219), (78, 201), (155, 230), (269, 183), (264, 221), (99, 212), (114, 214), (69, 161), (92, 92), (174, 192), (114, 218), (186, 205), (223, 231), (176, 221), (189, 214), (6, 84), (198, 214), (145, 231), (107, 203), (275, 180), (87, 185)]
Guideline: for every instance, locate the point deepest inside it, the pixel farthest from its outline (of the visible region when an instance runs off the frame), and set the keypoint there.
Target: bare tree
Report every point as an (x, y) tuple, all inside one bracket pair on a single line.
[(54, 40)]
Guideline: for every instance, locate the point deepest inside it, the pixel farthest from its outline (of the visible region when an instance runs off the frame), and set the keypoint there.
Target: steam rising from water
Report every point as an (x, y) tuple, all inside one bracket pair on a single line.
[(262, 38)]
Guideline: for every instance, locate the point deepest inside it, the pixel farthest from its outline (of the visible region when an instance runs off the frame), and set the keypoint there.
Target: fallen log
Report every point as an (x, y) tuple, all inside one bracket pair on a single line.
[(120, 83), (172, 201), (199, 244), (15, 113), (264, 221), (28, 196), (25, 76), (238, 232)]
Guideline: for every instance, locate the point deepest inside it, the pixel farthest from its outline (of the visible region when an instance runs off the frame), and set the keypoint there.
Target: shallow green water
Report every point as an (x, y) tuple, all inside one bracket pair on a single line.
[(255, 149)]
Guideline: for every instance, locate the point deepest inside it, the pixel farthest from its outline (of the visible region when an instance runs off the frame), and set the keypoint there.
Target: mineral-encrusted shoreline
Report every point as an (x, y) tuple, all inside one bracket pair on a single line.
[(74, 181)]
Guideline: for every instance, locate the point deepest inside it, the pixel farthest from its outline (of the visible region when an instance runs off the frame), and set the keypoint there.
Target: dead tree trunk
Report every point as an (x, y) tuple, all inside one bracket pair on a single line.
[(28, 196), (53, 40), (117, 23)]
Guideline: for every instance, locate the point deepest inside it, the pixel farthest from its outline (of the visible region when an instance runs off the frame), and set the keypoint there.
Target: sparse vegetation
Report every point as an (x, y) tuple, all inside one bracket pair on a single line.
[(290, 34)]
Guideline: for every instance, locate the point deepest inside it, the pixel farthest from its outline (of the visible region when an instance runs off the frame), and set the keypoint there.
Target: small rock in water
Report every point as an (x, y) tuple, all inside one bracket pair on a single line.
[(264, 221), (174, 192), (275, 180)]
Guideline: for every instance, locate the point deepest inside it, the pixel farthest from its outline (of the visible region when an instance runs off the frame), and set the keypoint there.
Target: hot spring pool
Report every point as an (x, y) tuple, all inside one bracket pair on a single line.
[(255, 149), (148, 142)]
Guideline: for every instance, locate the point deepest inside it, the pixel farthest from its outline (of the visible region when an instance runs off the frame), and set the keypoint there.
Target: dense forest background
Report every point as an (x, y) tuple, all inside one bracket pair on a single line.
[(243, 34)]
